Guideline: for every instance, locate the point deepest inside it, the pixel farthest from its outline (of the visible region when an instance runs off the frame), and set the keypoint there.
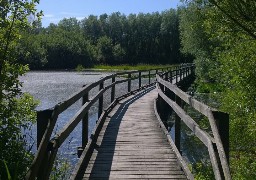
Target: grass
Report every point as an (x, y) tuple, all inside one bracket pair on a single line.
[(130, 67)]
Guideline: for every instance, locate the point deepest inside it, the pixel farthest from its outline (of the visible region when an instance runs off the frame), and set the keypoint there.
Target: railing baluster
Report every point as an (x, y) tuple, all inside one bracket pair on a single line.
[(129, 82), (139, 79), (100, 100), (85, 123), (113, 89), (177, 125), (149, 77), (222, 122), (43, 118)]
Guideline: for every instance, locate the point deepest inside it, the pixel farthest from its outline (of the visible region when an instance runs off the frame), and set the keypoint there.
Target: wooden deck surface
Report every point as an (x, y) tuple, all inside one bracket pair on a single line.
[(132, 145)]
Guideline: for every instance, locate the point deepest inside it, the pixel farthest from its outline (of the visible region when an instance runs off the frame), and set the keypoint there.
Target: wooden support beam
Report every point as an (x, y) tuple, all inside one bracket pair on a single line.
[(85, 123), (222, 122), (43, 118), (139, 79), (177, 125), (149, 77), (113, 90), (129, 82), (101, 86)]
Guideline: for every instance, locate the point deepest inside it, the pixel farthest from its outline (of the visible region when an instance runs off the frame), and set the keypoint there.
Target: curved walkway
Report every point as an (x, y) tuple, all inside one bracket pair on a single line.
[(132, 145)]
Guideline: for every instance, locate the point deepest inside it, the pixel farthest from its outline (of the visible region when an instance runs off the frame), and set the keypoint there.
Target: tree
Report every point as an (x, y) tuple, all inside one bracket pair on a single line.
[(224, 32), (105, 50), (15, 113)]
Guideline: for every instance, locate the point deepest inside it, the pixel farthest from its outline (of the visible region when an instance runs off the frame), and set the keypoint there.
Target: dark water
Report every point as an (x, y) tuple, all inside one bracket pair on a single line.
[(53, 87)]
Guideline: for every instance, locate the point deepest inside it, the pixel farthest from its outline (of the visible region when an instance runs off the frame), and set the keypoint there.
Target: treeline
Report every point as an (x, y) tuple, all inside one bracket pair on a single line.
[(221, 36), (105, 39)]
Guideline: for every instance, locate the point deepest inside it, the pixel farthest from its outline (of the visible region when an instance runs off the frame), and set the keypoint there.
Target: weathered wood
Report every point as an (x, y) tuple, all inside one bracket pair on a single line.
[(202, 135), (149, 78), (208, 112), (129, 82), (202, 108), (214, 161), (122, 147), (49, 166), (176, 75), (113, 90), (68, 128), (177, 125), (43, 118), (139, 79), (85, 122), (43, 153), (42, 150), (100, 108), (222, 122), (220, 147), (181, 161)]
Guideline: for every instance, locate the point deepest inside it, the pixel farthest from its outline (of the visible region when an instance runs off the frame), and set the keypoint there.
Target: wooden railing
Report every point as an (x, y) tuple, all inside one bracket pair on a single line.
[(46, 120), (218, 145)]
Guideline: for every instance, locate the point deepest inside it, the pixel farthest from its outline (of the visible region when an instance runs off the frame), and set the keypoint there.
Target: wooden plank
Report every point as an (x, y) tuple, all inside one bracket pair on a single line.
[(126, 176), (128, 142), (175, 149)]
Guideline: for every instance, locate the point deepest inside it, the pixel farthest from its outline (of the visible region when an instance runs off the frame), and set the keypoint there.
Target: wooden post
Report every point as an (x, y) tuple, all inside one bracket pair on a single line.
[(85, 123), (113, 89), (177, 125), (43, 118), (166, 76), (129, 82), (171, 74), (176, 75), (156, 74), (100, 100), (222, 122), (139, 79), (180, 74), (149, 77)]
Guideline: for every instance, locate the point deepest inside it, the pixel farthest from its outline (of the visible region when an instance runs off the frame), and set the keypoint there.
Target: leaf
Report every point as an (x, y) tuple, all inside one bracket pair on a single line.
[(7, 171)]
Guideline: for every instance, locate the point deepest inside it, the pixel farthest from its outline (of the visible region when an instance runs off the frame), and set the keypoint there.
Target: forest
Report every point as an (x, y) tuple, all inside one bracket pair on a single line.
[(219, 36), (106, 39)]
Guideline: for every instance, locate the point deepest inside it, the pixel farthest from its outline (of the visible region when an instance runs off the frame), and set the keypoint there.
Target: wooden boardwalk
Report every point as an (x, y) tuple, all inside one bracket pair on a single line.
[(130, 140), (131, 144)]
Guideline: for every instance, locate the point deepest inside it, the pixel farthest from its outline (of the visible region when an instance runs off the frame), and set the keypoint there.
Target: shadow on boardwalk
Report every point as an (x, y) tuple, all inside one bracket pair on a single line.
[(106, 150)]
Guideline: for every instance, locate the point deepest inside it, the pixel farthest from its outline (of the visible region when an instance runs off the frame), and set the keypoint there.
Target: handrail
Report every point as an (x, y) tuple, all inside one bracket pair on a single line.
[(164, 87), (46, 119)]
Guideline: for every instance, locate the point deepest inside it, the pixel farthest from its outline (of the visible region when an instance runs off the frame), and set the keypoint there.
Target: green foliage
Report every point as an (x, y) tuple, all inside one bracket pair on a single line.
[(7, 171), (16, 110), (229, 28), (107, 39), (80, 68), (60, 169), (204, 171), (16, 120)]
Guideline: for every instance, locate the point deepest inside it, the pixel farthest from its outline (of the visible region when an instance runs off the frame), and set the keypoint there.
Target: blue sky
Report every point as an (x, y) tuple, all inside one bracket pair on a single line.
[(55, 10)]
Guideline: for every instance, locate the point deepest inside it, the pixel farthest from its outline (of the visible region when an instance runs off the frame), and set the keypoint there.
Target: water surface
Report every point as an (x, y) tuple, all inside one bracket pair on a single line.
[(53, 87)]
